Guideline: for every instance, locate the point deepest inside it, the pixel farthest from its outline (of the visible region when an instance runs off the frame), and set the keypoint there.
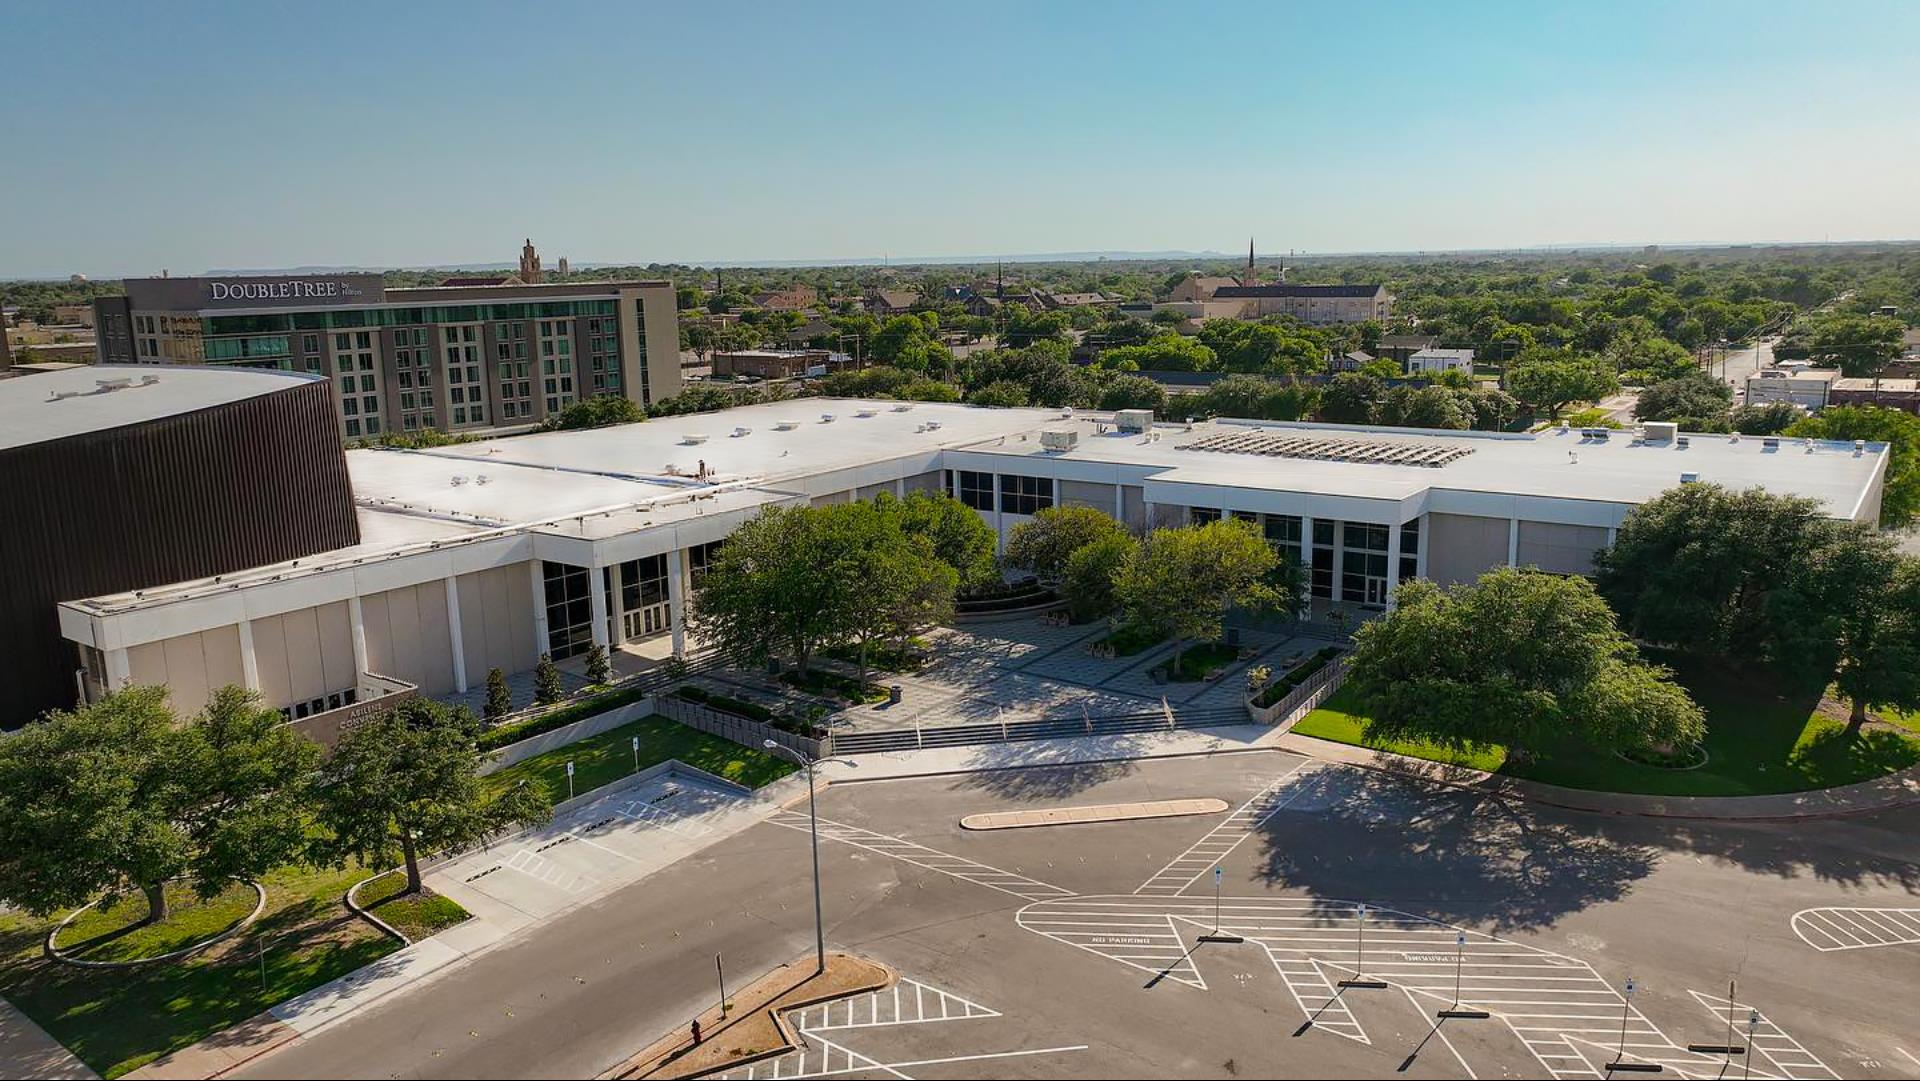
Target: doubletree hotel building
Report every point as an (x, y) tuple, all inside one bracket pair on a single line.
[(455, 358)]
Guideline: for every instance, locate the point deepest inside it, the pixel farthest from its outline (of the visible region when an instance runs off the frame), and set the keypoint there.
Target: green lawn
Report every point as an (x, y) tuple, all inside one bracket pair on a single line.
[(417, 916), (120, 1019), (1762, 737), (607, 757), (115, 932)]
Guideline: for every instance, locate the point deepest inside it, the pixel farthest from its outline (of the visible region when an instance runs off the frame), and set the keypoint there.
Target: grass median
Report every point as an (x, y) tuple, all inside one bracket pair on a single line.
[(1763, 737)]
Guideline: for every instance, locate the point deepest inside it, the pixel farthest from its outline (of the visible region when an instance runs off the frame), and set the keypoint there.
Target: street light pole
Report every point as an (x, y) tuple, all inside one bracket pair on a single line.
[(813, 828)]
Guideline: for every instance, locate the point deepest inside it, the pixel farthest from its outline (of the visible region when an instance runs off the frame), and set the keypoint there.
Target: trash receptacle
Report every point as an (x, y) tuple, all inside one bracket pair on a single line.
[(893, 694)]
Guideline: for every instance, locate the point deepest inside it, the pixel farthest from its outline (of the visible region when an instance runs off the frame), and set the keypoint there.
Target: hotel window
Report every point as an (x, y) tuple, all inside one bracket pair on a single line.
[(353, 427), (1025, 495), (976, 490)]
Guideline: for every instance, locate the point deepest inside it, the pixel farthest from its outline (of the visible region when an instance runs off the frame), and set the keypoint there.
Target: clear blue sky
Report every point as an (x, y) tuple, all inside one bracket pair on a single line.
[(143, 136)]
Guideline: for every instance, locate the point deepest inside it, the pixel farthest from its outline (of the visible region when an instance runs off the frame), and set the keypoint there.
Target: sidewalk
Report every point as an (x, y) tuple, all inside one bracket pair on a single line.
[(1897, 790), (27, 1051)]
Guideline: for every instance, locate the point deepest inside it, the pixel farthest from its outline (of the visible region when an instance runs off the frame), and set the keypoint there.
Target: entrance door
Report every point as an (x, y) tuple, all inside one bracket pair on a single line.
[(1376, 592), (654, 620)]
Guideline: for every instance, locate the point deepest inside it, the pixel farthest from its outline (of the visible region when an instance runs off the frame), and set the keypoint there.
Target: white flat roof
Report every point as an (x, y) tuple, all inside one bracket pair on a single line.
[(1553, 464), (652, 448), (49, 405)]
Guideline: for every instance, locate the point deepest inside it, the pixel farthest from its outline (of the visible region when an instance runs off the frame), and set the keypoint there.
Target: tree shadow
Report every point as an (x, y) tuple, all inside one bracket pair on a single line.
[(1460, 856), (1046, 769)]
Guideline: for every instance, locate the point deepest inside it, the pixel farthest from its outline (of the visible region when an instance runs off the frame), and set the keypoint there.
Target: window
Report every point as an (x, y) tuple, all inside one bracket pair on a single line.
[(1025, 495), (569, 609), (1282, 530), (1202, 515), (976, 490)]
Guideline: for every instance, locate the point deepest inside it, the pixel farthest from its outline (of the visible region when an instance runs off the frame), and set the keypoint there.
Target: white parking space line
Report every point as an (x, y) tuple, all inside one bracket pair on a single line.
[(907, 1002), (1559, 1007), (534, 865), (1206, 853), (1768, 1039), (931, 859), (1829, 929)]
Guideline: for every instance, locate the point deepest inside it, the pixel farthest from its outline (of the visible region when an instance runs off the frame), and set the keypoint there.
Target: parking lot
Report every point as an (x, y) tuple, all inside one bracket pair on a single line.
[(1074, 951)]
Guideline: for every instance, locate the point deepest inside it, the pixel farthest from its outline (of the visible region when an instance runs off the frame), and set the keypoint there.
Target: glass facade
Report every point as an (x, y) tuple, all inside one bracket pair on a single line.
[(569, 609)]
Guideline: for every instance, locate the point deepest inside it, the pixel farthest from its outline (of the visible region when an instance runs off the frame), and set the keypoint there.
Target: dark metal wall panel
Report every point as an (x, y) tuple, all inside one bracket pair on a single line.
[(189, 496)]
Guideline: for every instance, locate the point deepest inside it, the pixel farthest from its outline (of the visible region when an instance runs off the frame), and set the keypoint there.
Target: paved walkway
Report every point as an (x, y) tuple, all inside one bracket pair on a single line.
[(1098, 812), (27, 1051)]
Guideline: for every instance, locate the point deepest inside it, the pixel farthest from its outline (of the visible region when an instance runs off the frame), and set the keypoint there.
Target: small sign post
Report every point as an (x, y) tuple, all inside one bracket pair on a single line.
[(1454, 1012), (569, 780), (1216, 936), (1359, 982), (1619, 1063), (636, 754), (721, 969)]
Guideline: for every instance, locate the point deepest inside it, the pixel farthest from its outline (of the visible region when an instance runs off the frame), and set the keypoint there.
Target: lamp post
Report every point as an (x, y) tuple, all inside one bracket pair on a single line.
[(813, 825)]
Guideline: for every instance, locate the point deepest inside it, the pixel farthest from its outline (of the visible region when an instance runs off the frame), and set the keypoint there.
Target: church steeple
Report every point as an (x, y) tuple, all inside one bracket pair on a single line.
[(529, 263), (1252, 276)]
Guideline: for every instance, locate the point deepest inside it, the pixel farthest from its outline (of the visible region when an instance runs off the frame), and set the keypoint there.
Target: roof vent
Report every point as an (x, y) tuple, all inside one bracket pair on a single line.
[(1681, 442), (741, 432), (933, 426), (693, 439), (1771, 442), (786, 426), (459, 479), (481, 479), (903, 407), (1689, 478), (1859, 447), (866, 412), (826, 418)]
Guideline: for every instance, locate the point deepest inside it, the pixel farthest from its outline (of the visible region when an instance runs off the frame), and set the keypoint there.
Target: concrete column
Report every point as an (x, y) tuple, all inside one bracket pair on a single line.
[(597, 604), (1421, 545), (539, 608), (1120, 503), (1306, 564), (455, 635), (249, 664), (617, 621), (1613, 534), (1393, 563), (357, 621), (1513, 542), (119, 672), (1339, 559), (899, 487), (676, 600)]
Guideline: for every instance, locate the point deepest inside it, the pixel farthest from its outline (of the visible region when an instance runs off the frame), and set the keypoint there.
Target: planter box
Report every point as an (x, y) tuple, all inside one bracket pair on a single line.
[(560, 737), (1304, 699)]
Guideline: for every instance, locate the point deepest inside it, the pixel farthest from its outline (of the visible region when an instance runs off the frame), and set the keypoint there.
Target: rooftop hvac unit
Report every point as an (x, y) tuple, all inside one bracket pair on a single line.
[(1134, 420), (903, 407), (826, 418), (1771, 442), (1681, 442), (1689, 478), (740, 432), (1060, 440), (693, 439), (786, 426), (1660, 431), (866, 412), (1601, 434), (933, 426)]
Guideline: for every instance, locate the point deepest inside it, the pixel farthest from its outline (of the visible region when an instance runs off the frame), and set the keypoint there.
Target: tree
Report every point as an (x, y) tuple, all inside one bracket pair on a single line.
[(1900, 430), (1854, 610), (1133, 392), (1166, 353), (1549, 380), (244, 773), (599, 666), (598, 411), (1004, 394), (546, 681), (1352, 397), (1698, 567), (1425, 407), (1044, 544), (1519, 659), (499, 698), (1088, 583), (904, 588), (115, 796), (960, 537), (1696, 401), (407, 781), (1182, 581), (786, 581), (1769, 419)]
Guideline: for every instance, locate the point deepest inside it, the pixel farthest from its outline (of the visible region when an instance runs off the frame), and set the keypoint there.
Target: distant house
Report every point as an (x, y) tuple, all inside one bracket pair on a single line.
[(1350, 362), (1197, 289), (1060, 301), (773, 363), (1318, 304), (791, 299), (1434, 361), (1398, 347), (889, 302)]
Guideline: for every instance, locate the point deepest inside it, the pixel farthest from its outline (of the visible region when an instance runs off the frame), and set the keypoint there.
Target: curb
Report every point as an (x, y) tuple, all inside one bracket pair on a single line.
[(353, 906), (47, 947)]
